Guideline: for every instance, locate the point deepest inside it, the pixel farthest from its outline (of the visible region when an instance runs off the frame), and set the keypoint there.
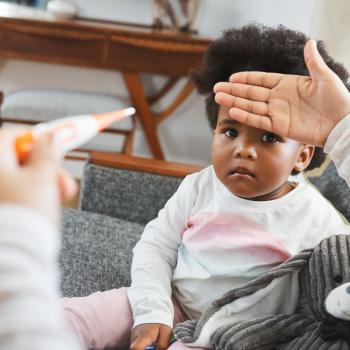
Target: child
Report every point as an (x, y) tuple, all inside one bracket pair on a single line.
[(225, 225)]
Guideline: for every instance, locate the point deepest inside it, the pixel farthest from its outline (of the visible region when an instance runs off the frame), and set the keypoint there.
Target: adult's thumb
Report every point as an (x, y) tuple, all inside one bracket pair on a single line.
[(315, 64)]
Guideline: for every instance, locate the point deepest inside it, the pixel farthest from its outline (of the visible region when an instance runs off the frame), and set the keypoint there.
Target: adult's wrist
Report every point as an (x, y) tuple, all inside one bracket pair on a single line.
[(336, 133)]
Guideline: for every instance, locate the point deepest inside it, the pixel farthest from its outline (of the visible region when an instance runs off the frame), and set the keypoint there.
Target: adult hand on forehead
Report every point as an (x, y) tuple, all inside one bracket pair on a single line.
[(298, 107), (40, 184)]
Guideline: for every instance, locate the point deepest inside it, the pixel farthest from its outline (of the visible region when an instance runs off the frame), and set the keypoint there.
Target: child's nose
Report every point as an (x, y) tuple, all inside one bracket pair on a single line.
[(245, 151)]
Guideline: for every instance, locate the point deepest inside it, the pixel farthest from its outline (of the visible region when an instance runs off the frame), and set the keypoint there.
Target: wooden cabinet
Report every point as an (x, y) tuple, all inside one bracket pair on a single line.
[(57, 45)]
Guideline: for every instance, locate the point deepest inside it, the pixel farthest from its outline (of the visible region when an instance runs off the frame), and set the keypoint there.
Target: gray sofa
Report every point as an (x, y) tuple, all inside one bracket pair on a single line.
[(119, 195)]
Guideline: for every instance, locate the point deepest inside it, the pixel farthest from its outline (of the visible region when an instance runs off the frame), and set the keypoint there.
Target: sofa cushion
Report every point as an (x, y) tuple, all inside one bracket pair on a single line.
[(129, 195), (96, 252), (334, 188)]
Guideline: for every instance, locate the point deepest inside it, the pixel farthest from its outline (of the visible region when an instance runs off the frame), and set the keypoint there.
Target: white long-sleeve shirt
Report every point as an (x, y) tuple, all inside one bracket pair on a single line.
[(207, 241)]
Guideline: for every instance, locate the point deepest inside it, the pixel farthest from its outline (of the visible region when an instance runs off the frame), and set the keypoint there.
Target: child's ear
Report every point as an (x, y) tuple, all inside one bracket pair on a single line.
[(306, 153)]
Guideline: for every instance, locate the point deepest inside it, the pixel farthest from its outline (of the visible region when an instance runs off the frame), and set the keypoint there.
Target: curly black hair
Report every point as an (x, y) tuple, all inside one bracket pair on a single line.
[(256, 47)]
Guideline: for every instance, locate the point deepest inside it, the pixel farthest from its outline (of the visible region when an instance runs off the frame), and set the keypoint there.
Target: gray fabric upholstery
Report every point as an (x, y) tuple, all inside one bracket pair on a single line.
[(96, 252), (129, 195), (335, 189), (49, 104)]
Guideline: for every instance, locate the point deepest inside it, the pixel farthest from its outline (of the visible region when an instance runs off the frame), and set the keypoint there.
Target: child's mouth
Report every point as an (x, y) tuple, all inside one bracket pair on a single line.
[(242, 172)]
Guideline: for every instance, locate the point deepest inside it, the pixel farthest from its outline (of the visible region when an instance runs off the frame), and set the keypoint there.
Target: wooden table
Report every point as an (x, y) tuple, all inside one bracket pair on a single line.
[(31, 34)]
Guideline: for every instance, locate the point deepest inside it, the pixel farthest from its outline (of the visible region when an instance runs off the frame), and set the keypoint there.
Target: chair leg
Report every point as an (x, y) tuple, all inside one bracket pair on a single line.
[(145, 114), (1, 100), (129, 139), (129, 143)]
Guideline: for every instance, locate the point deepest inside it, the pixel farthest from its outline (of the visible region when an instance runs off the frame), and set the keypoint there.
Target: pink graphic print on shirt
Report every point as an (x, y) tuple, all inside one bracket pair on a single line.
[(226, 240)]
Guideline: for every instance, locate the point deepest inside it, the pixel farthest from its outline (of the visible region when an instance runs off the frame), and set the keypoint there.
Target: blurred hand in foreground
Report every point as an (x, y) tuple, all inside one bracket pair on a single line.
[(41, 183)]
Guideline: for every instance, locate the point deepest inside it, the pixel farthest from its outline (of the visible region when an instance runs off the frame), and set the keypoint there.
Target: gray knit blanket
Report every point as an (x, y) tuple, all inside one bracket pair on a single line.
[(256, 315)]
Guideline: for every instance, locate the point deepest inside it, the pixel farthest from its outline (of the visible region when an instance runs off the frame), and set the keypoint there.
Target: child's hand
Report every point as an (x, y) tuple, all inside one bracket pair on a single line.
[(298, 107), (150, 334), (39, 184)]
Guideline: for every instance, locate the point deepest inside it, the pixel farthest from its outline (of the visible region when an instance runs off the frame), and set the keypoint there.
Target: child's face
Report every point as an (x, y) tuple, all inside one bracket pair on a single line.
[(253, 163)]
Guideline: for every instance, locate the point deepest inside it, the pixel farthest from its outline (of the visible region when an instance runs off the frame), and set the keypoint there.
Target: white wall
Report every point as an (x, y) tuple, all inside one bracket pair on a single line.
[(331, 24), (214, 15), (185, 136)]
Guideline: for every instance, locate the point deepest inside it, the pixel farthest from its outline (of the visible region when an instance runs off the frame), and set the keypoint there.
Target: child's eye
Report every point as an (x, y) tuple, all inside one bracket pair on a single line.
[(231, 133), (269, 138)]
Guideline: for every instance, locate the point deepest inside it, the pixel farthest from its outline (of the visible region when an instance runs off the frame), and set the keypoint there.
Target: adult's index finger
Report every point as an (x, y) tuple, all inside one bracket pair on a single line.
[(262, 79)]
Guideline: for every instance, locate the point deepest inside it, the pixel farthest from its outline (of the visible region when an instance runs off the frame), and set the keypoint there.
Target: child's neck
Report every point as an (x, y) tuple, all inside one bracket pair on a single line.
[(277, 193)]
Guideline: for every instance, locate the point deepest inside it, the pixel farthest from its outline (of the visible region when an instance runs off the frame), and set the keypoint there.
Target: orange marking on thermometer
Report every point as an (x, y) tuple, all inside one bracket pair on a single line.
[(70, 132)]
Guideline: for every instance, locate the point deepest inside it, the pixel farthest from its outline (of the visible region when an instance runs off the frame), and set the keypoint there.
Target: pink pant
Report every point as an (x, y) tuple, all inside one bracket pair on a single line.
[(105, 319)]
